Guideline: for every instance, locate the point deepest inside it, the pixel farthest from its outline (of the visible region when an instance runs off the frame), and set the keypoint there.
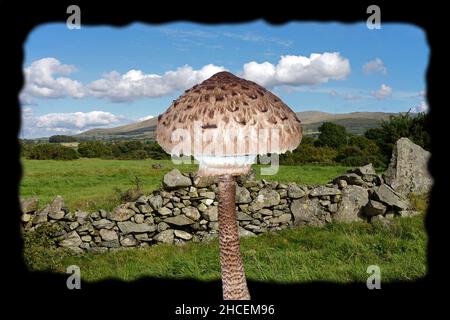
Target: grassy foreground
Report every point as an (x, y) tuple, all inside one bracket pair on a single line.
[(338, 253), (89, 183)]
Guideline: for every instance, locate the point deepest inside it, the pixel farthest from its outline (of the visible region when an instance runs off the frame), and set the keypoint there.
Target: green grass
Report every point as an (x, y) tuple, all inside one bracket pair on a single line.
[(89, 183), (338, 252)]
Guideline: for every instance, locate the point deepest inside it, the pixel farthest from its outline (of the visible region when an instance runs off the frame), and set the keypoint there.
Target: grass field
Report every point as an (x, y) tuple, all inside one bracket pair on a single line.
[(338, 252), (89, 183)]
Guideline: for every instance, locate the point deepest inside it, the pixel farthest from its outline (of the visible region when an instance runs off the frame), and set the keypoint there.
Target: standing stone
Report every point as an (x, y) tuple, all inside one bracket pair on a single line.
[(121, 213), (309, 212), (166, 236), (174, 180), (354, 198), (407, 171)]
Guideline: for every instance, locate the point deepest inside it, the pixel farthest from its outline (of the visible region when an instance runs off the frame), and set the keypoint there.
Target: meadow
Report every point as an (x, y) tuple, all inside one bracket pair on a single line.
[(89, 184)]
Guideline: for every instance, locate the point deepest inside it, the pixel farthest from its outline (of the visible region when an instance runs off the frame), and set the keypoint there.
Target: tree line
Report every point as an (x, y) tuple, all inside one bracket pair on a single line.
[(334, 145)]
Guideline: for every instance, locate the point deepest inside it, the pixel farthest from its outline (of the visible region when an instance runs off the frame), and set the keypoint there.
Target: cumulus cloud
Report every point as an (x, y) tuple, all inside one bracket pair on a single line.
[(421, 107), (298, 70), (145, 118), (374, 66), (76, 122), (47, 78), (382, 93), (135, 84)]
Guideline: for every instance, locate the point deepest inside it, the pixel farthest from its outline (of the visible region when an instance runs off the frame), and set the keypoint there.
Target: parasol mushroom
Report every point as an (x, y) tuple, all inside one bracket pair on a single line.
[(225, 122)]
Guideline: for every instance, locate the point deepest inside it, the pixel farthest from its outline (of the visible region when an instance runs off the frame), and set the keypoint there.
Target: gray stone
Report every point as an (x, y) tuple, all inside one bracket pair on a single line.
[(309, 212), (183, 234), (121, 213), (286, 217), (127, 227), (155, 201), (110, 244), (333, 207), (374, 208), (165, 236), (164, 211), (354, 199), (266, 212), (388, 196), (41, 215), (243, 217), (208, 195), (128, 241), (139, 218), (174, 180), (82, 216), (72, 239), (103, 224), (324, 191), (58, 205), (351, 179), (56, 215), (29, 205), (25, 217), (242, 232), (108, 235), (249, 176), (367, 169), (191, 213), (294, 191), (145, 208), (73, 225), (202, 207), (203, 182), (180, 220), (266, 198), (381, 221), (162, 226), (242, 195), (142, 200), (408, 171), (86, 238), (210, 214), (341, 183)]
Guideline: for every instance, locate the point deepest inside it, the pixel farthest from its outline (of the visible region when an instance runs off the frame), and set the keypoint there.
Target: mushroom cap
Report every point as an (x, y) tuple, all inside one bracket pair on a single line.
[(226, 116)]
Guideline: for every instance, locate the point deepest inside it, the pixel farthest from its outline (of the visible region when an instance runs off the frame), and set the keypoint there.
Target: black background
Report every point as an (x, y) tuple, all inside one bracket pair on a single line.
[(46, 294)]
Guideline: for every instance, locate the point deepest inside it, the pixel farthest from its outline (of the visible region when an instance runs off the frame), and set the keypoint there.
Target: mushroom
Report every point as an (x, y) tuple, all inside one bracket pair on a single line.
[(225, 122)]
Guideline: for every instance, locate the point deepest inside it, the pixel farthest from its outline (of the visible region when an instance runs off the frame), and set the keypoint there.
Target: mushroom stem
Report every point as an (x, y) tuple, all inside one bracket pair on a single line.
[(234, 284)]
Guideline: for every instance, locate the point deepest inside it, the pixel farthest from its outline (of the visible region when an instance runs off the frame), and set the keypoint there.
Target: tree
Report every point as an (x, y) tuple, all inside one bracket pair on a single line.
[(61, 138), (94, 149), (331, 135), (48, 151), (414, 127)]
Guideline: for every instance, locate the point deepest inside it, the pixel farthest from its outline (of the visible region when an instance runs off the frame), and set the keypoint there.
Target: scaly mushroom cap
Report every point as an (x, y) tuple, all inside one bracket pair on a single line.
[(226, 116)]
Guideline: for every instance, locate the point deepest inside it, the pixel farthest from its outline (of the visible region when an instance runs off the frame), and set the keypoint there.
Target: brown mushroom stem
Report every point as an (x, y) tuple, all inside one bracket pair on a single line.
[(234, 284)]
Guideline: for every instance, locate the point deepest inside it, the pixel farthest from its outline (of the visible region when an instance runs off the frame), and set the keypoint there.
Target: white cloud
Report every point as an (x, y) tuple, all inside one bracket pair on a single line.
[(42, 81), (421, 107), (375, 66), (382, 93), (75, 122), (298, 70), (146, 118)]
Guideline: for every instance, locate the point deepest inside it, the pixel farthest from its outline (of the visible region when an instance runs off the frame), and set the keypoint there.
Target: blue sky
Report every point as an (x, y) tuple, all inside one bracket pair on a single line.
[(105, 76)]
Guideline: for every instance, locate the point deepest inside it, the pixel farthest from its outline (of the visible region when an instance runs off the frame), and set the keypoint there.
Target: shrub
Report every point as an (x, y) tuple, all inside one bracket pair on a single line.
[(331, 135), (47, 151), (94, 149), (61, 138)]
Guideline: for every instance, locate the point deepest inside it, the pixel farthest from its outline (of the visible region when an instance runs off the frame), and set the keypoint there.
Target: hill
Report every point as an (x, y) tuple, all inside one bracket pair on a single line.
[(355, 122)]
